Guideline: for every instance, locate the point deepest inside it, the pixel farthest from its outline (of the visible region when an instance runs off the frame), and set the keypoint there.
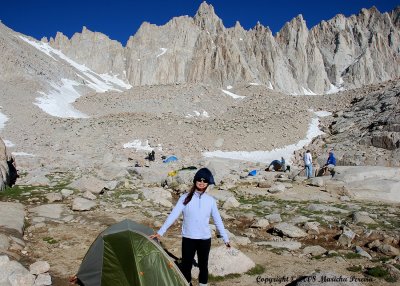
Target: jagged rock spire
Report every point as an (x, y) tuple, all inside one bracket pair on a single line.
[(207, 20)]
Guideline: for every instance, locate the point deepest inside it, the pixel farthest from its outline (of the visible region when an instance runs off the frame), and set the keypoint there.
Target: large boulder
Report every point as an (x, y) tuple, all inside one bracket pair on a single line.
[(12, 216), (223, 261), (371, 182), (89, 183)]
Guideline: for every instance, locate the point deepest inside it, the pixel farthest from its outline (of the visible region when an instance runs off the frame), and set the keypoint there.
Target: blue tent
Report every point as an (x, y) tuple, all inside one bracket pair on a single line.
[(170, 159), (252, 173)]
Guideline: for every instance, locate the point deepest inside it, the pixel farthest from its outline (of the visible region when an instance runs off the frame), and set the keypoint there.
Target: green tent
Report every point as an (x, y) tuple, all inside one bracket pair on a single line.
[(124, 255)]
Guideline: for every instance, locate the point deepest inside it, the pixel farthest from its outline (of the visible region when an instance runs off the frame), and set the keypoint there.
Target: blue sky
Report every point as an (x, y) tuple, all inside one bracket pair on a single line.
[(120, 19)]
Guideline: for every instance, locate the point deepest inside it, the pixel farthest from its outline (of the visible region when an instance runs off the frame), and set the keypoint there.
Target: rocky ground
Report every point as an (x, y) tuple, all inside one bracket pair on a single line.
[(288, 226)]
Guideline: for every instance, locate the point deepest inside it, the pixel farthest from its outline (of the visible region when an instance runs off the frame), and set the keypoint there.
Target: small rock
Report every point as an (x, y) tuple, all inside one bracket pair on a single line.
[(314, 250), (346, 237), (261, 223), (312, 227), (88, 195), (54, 197), (362, 252), (81, 204), (43, 280), (264, 185), (289, 230), (66, 193), (388, 250), (363, 218), (273, 218), (231, 203), (277, 188), (39, 267)]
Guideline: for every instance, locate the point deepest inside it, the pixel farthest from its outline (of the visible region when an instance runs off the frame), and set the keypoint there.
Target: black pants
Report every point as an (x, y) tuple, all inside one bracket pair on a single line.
[(189, 248)]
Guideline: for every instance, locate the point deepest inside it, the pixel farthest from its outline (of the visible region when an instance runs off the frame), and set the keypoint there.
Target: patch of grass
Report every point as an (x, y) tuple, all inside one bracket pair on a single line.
[(378, 272), (397, 266), (212, 278), (278, 250), (14, 193), (26, 223), (333, 254), (352, 255), (394, 224), (384, 259), (372, 226), (381, 259), (390, 279), (256, 270), (354, 268), (50, 240), (252, 201), (317, 257)]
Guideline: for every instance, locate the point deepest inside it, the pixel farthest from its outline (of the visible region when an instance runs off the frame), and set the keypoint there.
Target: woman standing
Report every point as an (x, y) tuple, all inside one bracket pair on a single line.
[(197, 207)]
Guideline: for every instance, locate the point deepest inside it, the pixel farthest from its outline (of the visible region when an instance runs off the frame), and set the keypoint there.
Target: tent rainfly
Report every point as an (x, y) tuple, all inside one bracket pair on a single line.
[(124, 255)]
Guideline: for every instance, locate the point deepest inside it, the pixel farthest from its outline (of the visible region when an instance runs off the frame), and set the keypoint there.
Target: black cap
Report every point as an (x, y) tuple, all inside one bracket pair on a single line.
[(205, 174)]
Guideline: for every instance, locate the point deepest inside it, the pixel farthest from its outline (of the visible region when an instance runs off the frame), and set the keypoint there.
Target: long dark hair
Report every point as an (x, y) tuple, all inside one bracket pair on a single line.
[(190, 195)]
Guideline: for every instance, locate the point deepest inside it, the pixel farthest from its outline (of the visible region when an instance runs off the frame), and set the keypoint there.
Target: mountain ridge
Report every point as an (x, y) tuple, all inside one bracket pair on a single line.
[(340, 53)]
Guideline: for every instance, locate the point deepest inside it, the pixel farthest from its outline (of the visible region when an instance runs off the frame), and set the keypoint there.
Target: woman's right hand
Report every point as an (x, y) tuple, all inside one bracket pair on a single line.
[(155, 236)]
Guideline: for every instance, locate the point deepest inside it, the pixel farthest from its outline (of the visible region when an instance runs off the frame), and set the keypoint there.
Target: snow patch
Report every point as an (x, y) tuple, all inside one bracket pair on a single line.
[(3, 120), (232, 94), (99, 82), (322, 113), (58, 101), (163, 51), (268, 156), (198, 114), (8, 143), (307, 91), (139, 146), (44, 47), (22, 154), (229, 87), (270, 85), (334, 89)]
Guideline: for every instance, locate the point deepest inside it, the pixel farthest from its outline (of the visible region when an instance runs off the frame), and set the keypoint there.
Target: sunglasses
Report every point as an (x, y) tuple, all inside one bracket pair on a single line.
[(202, 180)]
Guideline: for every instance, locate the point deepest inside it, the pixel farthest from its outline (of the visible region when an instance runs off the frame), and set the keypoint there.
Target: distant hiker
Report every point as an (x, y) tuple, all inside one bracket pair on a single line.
[(152, 155), (308, 164), (277, 165), (330, 163), (13, 172), (197, 207)]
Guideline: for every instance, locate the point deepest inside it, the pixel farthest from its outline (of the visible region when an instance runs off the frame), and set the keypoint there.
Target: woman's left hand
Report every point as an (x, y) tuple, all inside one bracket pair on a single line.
[(228, 245), (155, 236)]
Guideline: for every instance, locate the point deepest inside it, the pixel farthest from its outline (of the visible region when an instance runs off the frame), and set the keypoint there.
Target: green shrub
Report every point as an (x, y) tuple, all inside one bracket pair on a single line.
[(352, 255), (213, 278), (256, 270), (377, 272), (50, 240)]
